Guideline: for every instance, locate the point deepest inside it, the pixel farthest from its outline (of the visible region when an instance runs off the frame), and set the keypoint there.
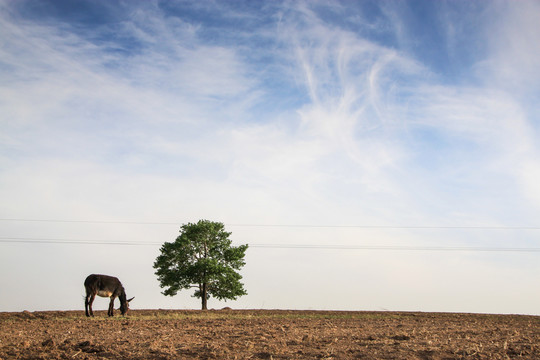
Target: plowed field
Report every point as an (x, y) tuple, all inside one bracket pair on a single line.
[(267, 334)]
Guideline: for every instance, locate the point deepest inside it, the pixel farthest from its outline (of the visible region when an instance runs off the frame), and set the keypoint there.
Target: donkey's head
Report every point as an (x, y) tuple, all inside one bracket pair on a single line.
[(124, 305)]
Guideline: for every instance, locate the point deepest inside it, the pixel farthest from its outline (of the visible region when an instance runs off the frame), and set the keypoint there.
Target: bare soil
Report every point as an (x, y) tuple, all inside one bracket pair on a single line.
[(267, 334)]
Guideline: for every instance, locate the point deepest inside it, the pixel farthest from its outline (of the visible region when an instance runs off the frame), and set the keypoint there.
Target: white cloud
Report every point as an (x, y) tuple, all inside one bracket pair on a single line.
[(514, 48)]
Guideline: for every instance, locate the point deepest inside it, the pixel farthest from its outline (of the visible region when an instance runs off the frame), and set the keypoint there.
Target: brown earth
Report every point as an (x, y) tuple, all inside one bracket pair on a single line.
[(267, 334)]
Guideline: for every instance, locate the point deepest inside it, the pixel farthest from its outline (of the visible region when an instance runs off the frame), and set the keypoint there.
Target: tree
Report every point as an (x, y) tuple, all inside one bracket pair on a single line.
[(202, 257)]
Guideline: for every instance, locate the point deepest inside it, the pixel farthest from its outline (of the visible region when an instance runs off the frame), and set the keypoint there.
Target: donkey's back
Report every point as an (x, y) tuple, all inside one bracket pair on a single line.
[(102, 285)]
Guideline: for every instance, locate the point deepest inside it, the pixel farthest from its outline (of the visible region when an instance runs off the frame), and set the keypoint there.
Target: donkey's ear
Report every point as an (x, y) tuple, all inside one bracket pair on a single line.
[(131, 299)]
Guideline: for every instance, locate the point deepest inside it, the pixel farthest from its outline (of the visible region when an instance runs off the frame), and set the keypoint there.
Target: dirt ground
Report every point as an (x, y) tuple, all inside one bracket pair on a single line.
[(267, 334)]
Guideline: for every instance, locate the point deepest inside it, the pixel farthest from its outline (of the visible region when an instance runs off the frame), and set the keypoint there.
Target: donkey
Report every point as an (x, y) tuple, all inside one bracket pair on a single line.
[(105, 286)]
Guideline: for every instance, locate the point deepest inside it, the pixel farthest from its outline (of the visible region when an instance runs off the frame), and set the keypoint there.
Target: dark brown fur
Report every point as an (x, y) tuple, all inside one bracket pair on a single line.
[(105, 286)]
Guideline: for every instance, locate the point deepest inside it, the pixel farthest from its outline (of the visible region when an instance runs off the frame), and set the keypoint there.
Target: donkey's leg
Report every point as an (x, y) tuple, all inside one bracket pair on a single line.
[(89, 301), (111, 307), (86, 304)]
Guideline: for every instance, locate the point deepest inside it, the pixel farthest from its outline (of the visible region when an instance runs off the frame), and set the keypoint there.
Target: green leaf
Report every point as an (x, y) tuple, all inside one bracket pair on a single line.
[(202, 256)]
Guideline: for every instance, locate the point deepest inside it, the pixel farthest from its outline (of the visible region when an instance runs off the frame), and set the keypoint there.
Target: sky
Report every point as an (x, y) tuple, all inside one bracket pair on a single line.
[(375, 155)]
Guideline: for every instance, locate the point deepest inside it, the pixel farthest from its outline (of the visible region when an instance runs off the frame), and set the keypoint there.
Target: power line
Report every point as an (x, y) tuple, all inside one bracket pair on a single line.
[(71, 241), (397, 247), (394, 227), (19, 240), (92, 221), (359, 226)]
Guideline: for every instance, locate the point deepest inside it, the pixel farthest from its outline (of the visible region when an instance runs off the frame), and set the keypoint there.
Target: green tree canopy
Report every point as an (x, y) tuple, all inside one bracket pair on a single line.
[(202, 258)]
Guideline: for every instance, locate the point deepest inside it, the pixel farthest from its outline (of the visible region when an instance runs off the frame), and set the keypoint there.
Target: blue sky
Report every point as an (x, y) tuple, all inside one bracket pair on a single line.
[(123, 120)]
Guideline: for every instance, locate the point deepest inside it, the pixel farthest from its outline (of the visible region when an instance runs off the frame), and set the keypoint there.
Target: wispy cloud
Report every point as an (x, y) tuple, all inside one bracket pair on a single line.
[(512, 62)]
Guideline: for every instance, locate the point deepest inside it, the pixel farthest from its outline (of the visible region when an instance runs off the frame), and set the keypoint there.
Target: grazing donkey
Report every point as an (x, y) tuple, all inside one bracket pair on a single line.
[(105, 286)]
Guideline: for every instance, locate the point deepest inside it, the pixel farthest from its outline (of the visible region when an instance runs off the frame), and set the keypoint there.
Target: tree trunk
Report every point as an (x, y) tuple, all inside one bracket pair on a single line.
[(204, 285), (204, 296)]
